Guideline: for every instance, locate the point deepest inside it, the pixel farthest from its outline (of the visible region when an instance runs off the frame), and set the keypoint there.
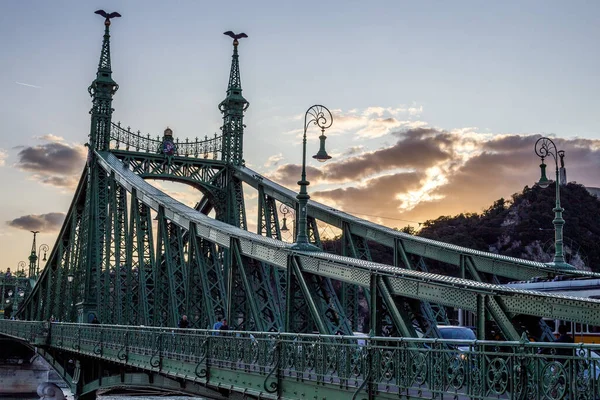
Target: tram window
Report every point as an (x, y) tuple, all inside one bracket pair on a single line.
[(578, 328)]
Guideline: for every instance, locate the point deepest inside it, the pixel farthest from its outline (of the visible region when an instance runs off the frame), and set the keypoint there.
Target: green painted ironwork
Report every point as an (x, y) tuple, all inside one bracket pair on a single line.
[(126, 140), (298, 366), (545, 147), (233, 108), (510, 267), (321, 116), (13, 290), (131, 255)]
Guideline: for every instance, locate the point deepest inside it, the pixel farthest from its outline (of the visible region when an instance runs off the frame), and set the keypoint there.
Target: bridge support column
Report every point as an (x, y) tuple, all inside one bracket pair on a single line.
[(481, 317), (374, 329)]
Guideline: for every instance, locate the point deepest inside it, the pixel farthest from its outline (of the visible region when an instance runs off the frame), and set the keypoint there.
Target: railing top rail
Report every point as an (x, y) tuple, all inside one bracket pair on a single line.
[(7, 325)]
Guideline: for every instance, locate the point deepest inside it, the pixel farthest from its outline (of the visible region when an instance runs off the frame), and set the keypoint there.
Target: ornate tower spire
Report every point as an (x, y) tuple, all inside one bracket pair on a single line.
[(102, 89), (233, 108), (33, 256)]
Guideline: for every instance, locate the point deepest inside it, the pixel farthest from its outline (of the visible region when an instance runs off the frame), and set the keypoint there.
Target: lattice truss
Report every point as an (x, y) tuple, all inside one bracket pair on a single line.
[(138, 257), (129, 254)]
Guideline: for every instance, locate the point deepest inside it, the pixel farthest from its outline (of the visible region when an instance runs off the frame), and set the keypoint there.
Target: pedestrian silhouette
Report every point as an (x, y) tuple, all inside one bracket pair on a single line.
[(183, 322), (564, 337), (224, 326), (218, 324)]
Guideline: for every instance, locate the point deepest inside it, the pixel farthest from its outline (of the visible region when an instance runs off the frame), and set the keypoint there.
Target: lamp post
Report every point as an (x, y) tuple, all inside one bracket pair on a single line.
[(545, 147), (321, 116), (43, 247), (70, 279), (34, 257), (19, 299), (21, 270), (10, 305), (285, 210)]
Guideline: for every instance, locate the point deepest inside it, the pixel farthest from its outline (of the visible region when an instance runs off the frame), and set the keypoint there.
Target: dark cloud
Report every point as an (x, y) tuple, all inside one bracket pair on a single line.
[(375, 197), (55, 163), (289, 174), (353, 151), (50, 222), (416, 149), (506, 167), (498, 167), (57, 158)]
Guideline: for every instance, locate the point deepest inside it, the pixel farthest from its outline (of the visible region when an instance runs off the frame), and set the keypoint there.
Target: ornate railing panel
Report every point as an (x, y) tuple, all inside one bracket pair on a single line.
[(300, 366), (126, 139), (36, 333)]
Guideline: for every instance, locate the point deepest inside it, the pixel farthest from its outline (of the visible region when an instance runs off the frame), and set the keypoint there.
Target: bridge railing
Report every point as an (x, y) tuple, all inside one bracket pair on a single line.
[(128, 140), (35, 332), (271, 362)]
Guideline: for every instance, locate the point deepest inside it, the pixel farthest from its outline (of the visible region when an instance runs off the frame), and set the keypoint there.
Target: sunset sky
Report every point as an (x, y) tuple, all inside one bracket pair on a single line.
[(437, 105)]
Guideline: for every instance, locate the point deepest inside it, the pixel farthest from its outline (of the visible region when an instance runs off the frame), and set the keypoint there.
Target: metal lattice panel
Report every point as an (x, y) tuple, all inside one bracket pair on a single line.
[(511, 267), (455, 292)]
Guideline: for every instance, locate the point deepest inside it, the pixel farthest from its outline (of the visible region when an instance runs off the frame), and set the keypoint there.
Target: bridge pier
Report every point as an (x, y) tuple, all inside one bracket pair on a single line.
[(22, 370)]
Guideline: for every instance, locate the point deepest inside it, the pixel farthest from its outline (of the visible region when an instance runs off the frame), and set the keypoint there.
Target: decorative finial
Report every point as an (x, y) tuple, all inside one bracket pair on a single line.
[(235, 36), (107, 16)]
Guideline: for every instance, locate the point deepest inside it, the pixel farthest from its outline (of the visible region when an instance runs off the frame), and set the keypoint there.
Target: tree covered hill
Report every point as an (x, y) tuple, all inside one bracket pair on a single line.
[(522, 227)]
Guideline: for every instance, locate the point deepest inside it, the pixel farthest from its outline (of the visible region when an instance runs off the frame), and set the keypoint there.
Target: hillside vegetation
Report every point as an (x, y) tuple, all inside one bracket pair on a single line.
[(522, 226)]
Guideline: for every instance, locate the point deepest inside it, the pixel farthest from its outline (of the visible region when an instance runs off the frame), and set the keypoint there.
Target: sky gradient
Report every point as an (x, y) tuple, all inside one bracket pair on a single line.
[(437, 105)]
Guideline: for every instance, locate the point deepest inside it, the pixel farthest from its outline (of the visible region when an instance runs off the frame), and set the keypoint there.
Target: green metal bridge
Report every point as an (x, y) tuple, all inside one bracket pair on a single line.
[(242, 365), (137, 260)]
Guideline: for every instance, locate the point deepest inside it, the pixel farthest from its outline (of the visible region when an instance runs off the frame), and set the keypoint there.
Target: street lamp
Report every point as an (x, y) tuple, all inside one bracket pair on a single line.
[(21, 269), (320, 116), (285, 210), (543, 148), (43, 247), (71, 312)]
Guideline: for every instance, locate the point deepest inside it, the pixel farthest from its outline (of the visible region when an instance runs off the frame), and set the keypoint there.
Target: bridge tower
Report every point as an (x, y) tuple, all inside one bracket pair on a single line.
[(233, 108), (95, 221), (102, 90), (33, 257)]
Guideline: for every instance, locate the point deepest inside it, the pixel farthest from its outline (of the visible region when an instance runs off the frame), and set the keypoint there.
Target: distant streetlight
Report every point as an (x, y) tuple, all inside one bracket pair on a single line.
[(284, 210), (543, 148), (34, 257), (321, 116), (21, 269), (43, 247)]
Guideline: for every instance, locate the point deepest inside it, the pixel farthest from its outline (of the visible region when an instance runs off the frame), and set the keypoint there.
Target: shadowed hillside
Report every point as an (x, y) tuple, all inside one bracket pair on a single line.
[(522, 227)]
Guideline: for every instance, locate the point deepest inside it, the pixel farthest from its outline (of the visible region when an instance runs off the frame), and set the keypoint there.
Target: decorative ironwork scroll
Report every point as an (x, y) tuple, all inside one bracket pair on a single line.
[(128, 140)]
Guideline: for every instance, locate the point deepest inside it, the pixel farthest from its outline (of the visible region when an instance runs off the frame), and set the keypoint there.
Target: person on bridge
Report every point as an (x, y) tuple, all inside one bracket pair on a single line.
[(218, 324), (564, 337), (183, 322), (224, 326)]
